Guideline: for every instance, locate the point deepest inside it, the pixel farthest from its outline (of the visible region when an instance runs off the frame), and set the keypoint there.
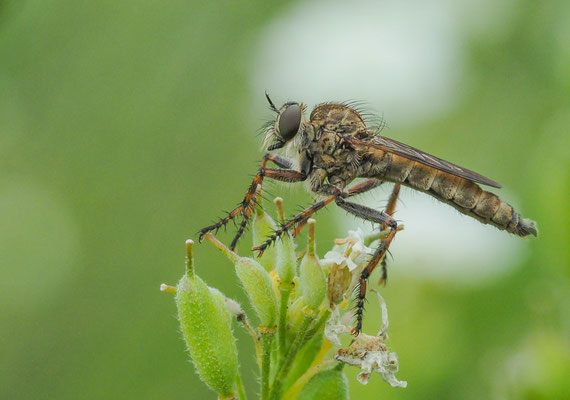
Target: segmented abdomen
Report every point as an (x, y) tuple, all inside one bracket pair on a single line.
[(463, 194)]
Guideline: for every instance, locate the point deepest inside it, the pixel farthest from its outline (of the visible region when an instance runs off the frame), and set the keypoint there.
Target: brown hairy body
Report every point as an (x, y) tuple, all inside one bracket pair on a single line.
[(343, 148)]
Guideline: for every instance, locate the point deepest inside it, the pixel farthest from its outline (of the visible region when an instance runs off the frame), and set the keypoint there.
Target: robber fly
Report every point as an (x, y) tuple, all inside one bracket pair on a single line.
[(333, 148)]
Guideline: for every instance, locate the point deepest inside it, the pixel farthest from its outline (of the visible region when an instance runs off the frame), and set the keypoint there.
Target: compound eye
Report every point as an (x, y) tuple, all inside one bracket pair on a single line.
[(289, 122)]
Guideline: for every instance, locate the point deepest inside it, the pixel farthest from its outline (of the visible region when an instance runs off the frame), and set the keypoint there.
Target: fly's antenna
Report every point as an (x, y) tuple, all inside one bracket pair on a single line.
[(271, 105)]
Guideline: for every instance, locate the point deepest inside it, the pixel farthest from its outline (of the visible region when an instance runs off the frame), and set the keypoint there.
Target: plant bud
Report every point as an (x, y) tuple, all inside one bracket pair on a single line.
[(263, 227), (313, 285), (256, 282), (296, 315), (286, 260), (330, 384), (206, 327), (339, 280), (259, 289)]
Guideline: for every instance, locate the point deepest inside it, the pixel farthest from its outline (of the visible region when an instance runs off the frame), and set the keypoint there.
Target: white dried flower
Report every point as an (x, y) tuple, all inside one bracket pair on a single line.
[(371, 354), (335, 326), (368, 352), (383, 332), (234, 308)]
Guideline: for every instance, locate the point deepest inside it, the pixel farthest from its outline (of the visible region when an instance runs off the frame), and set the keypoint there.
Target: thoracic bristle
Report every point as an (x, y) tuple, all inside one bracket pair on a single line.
[(527, 227)]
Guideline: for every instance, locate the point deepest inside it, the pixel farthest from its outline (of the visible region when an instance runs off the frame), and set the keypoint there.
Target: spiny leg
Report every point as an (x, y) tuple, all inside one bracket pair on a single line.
[(257, 180), (286, 175), (367, 213), (383, 219), (283, 175), (246, 215), (366, 272), (390, 208), (299, 218), (363, 186), (354, 190)]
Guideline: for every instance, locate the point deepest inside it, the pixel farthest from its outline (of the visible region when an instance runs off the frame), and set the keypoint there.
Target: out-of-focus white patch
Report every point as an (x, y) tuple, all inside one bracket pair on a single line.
[(402, 58), (439, 243), (38, 243)]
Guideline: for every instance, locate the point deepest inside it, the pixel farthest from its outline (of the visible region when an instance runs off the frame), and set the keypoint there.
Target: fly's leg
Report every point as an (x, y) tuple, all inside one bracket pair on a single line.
[(243, 225), (363, 186), (354, 190), (248, 203), (335, 194), (383, 219), (297, 219), (367, 213), (283, 175), (367, 271), (390, 208)]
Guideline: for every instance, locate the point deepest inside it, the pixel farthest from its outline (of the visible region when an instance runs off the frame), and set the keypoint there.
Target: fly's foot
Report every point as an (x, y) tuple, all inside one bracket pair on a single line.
[(205, 230), (262, 247), (277, 234)]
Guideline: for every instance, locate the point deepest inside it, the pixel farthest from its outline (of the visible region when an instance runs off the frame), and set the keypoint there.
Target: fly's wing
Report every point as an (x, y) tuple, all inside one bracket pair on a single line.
[(392, 146)]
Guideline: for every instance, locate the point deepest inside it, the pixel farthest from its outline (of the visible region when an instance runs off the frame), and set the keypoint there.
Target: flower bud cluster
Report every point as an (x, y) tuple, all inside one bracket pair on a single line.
[(300, 300)]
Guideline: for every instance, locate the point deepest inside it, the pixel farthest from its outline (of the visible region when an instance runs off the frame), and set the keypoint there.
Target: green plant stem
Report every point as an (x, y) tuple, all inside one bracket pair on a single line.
[(285, 292), (240, 388), (266, 341), (294, 390), (318, 325), (285, 364)]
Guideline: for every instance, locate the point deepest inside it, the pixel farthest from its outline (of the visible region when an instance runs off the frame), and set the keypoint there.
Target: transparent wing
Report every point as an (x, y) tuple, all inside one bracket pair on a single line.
[(392, 146)]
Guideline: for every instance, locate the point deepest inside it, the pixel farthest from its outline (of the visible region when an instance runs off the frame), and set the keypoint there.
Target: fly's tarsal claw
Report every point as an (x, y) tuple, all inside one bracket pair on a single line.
[(205, 230), (260, 249)]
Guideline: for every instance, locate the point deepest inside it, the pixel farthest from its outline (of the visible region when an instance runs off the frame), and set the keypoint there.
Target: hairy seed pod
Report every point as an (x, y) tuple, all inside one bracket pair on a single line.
[(312, 280), (286, 261), (258, 286), (296, 315), (330, 384), (256, 283), (206, 327)]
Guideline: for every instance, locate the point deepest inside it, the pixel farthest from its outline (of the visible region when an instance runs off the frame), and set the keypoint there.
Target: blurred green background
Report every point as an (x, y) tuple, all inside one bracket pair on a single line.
[(127, 126)]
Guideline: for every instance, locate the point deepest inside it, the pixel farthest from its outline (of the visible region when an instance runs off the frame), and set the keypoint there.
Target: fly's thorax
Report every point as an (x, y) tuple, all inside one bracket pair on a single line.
[(337, 117), (332, 158)]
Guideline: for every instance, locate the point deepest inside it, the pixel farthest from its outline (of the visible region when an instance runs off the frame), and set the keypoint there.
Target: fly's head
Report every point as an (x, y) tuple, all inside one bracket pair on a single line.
[(289, 129)]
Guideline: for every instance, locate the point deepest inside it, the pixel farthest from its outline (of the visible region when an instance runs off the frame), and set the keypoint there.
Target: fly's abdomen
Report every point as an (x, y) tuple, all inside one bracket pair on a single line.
[(469, 198), (463, 194)]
